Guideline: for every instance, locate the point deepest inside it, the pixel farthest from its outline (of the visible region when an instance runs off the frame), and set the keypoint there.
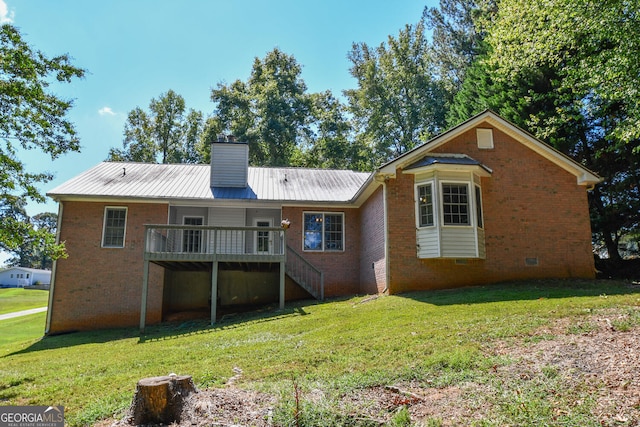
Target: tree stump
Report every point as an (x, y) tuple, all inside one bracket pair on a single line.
[(159, 400)]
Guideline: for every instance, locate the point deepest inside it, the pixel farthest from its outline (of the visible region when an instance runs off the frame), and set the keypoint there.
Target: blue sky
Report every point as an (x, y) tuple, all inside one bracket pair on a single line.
[(135, 50)]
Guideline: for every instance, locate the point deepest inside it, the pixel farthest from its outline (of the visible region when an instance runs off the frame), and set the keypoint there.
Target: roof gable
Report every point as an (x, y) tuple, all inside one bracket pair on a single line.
[(583, 175)]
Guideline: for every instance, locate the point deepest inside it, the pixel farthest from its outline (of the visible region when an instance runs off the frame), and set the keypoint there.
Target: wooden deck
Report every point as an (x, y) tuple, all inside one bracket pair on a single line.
[(204, 247)]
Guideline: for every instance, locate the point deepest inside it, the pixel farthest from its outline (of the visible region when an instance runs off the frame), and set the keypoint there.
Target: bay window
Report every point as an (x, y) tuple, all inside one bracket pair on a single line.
[(449, 218)]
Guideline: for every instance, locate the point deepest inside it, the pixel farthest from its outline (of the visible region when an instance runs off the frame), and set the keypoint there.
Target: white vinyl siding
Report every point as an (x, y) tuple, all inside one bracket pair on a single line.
[(229, 164), (428, 243), (230, 242), (458, 242)]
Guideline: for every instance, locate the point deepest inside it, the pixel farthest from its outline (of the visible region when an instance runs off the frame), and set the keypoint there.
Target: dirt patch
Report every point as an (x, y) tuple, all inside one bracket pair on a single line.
[(598, 353), (605, 359)]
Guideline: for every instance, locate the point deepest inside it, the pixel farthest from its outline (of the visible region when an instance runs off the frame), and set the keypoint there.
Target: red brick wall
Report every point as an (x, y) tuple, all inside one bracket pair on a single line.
[(341, 269), (99, 287), (372, 260), (532, 209)]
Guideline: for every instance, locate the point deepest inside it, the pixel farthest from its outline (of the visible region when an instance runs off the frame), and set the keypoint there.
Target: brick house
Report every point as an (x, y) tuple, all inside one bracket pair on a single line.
[(483, 202)]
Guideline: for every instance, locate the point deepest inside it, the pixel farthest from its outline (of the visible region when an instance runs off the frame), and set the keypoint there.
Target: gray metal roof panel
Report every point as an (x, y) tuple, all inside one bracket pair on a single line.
[(182, 181)]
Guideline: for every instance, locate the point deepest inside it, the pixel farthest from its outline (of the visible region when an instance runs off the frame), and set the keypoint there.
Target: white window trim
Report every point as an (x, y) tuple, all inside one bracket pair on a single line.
[(255, 235), (471, 213), (203, 242), (323, 213), (475, 208), (104, 226), (434, 199)]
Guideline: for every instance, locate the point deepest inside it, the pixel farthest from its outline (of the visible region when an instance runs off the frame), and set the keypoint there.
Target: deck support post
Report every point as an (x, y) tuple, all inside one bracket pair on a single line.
[(282, 267), (145, 291), (214, 291)]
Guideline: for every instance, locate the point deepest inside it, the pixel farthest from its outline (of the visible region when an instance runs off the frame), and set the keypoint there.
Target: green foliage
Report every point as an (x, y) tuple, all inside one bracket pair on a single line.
[(269, 111), (565, 71), (37, 248), (283, 123), (31, 117), (397, 103), (401, 418), (331, 143), (163, 134), (458, 31)]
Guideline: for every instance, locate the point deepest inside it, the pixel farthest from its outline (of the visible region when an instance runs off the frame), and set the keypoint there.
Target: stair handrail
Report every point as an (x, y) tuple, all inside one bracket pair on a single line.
[(307, 275)]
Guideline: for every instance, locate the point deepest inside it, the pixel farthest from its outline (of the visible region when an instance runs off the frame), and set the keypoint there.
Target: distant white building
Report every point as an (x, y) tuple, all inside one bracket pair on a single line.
[(19, 277)]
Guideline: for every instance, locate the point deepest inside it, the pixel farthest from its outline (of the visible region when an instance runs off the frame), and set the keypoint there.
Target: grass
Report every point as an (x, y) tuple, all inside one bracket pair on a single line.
[(17, 299), (435, 338)]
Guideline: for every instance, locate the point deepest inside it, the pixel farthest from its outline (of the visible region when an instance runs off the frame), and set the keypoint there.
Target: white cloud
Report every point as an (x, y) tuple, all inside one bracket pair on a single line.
[(104, 111), (6, 15)]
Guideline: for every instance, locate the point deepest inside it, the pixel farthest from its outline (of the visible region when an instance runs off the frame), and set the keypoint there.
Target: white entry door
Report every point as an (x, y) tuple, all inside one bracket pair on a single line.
[(263, 241)]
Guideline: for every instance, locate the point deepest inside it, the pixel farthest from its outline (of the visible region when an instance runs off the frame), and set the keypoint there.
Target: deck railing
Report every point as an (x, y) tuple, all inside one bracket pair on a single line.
[(209, 240), (167, 242)]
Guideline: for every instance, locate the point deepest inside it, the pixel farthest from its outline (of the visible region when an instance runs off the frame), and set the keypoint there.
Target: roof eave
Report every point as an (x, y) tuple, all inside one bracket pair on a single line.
[(583, 175), (479, 170)]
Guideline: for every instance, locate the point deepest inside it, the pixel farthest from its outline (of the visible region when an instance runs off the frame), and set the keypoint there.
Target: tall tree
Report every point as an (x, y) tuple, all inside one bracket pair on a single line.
[(397, 103), (572, 65), (331, 143), (270, 111), (458, 30), (31, 117), (33, 251), (162, 134)]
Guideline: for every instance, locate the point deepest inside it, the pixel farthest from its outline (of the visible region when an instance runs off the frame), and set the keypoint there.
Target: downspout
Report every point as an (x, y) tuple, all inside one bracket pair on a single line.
[(386, 237), (47, 326)]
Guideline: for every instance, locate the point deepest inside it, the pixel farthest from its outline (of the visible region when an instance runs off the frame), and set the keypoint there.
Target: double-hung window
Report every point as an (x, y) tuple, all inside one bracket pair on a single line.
[(425, 205), (114, 227), (455, 204), (323, 231)]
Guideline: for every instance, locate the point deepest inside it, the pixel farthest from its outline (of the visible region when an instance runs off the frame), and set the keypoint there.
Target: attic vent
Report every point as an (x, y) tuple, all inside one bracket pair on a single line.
[(485, 138)]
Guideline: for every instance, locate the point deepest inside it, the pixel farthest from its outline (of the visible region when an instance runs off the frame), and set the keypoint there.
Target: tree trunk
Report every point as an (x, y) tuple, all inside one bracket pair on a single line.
[(159, 400)]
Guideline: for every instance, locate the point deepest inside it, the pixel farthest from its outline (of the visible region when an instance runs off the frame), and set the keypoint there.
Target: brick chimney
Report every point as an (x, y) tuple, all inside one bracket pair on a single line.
[(229, 162)]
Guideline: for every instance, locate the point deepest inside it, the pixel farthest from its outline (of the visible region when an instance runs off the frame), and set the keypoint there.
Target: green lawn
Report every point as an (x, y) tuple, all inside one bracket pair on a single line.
[(338, 346), (17, 299)]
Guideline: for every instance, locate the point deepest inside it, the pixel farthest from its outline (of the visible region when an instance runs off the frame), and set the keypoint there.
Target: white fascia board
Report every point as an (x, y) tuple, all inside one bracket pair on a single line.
[(583, 175), (475, 169)]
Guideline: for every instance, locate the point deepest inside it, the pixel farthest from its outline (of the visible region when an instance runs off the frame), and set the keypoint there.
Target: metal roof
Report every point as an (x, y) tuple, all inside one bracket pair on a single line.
[(187, 181)]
